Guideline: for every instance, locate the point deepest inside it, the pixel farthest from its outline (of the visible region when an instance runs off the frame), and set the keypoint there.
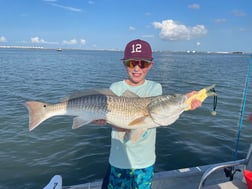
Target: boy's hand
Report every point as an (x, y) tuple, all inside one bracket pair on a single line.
[(103, 122)]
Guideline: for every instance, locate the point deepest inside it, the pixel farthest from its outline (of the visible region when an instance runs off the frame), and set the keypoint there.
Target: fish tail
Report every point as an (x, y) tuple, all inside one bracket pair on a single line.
[(38, 112)]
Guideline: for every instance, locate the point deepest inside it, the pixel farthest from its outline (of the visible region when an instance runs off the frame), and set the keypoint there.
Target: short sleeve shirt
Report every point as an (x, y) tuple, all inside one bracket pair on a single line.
[(139, 154)]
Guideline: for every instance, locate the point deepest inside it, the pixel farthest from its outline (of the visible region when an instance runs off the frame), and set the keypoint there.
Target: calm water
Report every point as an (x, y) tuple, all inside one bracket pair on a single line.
[(30, 159)]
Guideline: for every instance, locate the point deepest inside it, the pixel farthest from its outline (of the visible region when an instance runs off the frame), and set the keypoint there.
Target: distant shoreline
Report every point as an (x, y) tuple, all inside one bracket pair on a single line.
[(61, 49), (45, 48)]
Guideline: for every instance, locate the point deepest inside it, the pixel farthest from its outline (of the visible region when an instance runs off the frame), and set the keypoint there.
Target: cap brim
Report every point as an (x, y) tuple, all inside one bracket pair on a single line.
[(137, 59)]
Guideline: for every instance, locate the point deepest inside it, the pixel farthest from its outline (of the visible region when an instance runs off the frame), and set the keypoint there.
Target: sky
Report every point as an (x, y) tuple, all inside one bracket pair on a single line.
[(168, 25)]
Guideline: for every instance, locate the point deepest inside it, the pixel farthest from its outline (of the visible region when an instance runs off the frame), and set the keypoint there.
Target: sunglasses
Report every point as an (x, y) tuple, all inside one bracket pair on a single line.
[(141, 63)]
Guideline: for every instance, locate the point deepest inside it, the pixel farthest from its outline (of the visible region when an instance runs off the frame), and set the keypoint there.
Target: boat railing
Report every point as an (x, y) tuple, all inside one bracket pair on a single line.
[(247, 162)]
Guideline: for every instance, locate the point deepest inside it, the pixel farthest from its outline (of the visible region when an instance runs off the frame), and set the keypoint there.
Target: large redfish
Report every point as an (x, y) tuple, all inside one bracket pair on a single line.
[(127, 111)]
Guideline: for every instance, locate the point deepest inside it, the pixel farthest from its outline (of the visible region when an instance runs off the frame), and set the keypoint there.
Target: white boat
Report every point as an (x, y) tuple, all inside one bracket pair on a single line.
[(225, 175), (201, 177)]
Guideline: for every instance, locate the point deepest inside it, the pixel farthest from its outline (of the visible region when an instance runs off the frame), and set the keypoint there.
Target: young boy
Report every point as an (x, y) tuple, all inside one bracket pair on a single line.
[(132, 163)]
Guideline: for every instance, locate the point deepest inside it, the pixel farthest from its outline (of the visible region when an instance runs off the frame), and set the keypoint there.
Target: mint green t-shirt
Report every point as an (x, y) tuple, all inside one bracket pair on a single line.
[(126, 154)]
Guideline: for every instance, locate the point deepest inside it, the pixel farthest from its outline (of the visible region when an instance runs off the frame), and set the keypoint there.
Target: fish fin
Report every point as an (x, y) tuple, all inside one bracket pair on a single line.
[(165, 120), (89, 92), (78, 122), (128, 93), (131, 135), (140, 121), (136, 134), (123, 135), (38, 113)]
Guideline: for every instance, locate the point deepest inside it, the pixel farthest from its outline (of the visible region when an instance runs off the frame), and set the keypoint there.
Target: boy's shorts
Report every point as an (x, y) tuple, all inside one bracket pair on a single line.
[(131, 178)]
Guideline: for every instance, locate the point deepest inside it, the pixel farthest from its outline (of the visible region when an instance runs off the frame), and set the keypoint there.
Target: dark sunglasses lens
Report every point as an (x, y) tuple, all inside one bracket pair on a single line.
[(141, 63), (129, 63)]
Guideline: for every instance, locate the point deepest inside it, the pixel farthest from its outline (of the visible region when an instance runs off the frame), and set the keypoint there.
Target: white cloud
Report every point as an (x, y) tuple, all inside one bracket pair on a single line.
[(70, 42), (37, 40), (66, 7), (194, 6), (131, 28), (82, 41), (74, 42), (3, 39), (171, 30), (40, 41)]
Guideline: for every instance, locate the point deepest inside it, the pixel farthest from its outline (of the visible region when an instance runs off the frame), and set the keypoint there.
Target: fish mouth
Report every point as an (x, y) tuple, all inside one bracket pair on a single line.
[(200, 96), (210, 91)]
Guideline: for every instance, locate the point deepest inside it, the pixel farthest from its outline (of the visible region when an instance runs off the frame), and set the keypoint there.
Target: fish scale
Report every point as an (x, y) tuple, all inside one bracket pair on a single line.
[(122, 110), (91, 103)]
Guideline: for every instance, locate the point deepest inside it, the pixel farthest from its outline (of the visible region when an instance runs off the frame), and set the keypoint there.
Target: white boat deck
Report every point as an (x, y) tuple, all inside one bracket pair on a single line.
[(202, 177), (188, 178)]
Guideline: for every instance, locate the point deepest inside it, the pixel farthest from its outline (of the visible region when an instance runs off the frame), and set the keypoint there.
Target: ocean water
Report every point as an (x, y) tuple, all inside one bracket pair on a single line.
[(29, 159)]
